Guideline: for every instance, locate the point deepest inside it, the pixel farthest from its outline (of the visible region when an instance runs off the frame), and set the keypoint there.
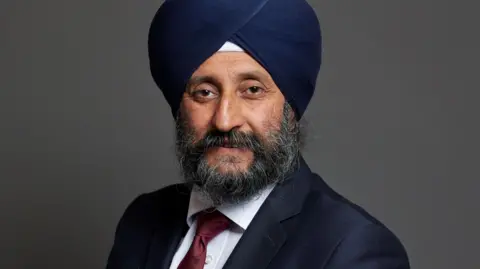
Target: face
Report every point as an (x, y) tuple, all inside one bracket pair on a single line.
[(235, 133)]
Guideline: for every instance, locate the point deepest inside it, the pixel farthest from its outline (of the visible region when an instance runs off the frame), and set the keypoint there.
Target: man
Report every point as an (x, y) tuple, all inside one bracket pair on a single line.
[(238, 76)]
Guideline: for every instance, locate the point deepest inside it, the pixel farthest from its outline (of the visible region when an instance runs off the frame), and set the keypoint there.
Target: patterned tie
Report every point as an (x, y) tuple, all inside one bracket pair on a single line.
[(209, 225)]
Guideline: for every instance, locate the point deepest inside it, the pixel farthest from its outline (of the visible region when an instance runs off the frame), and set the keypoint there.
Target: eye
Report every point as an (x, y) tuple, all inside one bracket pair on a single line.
[(254, 90), (202, 93)]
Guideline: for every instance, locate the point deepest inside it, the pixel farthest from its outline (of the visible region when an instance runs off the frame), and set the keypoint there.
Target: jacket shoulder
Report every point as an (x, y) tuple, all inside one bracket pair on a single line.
[(334, 207), (348, 227), (140, 220), (147, 206)]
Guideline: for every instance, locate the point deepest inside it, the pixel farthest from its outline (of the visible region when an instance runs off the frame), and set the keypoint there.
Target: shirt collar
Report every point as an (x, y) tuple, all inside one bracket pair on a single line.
[(241, 214)]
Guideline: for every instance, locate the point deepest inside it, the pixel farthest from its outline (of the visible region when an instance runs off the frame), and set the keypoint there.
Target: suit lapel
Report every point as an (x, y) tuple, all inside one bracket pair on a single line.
[(259, 243), (266, 233), (171, 228), (163, 246)]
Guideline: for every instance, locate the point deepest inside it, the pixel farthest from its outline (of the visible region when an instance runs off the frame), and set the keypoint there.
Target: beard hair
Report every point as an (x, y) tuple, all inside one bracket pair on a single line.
[(276, 156)]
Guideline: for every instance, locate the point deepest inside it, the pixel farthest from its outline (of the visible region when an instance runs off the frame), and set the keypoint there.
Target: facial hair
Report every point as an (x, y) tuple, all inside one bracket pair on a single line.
[(275, 156)]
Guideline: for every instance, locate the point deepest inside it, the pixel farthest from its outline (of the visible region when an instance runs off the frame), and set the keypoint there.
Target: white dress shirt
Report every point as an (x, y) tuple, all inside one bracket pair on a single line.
[(220, 247)]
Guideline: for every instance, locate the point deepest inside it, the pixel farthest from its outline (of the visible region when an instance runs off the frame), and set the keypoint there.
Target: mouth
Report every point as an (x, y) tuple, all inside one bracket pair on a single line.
[(228, 149), (231, 146)]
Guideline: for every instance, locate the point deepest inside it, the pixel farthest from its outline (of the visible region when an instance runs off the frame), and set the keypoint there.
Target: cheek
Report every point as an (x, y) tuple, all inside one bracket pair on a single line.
[(264, 119), (197, 120)]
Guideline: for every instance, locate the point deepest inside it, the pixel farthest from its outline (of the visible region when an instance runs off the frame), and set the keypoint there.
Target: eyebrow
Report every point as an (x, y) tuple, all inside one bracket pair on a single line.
[(254, 75), (250, 75), (202, 79)]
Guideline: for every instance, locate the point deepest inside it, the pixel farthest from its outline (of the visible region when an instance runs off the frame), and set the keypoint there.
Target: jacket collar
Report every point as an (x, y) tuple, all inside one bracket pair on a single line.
[(265, 235), (267, 232), (241, 214)]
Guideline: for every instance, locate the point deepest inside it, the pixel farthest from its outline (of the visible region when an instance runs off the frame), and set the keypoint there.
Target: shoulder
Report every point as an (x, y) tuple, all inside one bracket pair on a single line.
[(145, 208), (338, 208), (141, 218), (160, 199), (357, 238)]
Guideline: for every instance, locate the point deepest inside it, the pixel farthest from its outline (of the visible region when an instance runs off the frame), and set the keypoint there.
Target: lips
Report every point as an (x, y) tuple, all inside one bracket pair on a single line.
[(227, 144), (230, 146)]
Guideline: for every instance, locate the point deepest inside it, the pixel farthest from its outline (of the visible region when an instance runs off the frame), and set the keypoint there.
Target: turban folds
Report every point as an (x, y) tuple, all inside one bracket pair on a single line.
[(281, 35)]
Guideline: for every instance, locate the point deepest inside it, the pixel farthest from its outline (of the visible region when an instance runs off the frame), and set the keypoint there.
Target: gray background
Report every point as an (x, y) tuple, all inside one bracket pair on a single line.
[(393, 125)]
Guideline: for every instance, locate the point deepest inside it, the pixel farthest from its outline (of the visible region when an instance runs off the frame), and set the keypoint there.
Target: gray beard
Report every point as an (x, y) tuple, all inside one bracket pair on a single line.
[(276, 156)]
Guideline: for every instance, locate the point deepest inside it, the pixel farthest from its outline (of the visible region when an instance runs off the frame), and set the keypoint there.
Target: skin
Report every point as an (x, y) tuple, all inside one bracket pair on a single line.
[(230, 90)]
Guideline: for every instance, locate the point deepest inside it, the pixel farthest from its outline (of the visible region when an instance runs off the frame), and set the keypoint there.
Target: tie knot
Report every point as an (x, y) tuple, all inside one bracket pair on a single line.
[(210, 224)]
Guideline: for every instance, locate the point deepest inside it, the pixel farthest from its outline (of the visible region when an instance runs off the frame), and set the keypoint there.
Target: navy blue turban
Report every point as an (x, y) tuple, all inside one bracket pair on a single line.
[(281, 35)]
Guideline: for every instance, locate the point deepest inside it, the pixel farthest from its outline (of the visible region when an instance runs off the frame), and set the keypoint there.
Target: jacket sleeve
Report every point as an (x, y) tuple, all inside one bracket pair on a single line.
[(369, 247)]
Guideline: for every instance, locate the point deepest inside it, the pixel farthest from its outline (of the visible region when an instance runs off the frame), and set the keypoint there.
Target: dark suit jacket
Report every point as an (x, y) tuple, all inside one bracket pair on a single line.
[(302, 224)]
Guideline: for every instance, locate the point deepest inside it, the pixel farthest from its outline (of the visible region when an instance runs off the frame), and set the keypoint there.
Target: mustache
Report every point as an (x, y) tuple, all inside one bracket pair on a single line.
[(230, 139)]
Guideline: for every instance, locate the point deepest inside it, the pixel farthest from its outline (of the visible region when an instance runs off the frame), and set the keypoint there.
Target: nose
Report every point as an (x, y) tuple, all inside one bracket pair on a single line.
[(228, 114)]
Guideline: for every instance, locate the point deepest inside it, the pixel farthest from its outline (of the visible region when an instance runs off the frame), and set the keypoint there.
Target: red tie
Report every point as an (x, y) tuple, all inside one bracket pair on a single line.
[(209, 225)]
